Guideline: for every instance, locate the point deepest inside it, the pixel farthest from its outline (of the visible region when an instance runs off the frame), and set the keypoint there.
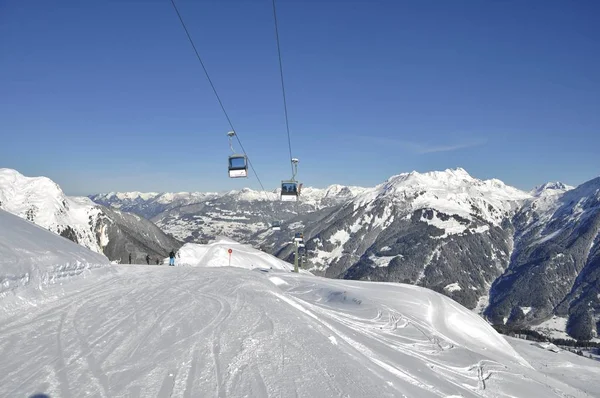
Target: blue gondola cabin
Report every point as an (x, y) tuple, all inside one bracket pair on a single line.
[(289, 191), (238, 166)]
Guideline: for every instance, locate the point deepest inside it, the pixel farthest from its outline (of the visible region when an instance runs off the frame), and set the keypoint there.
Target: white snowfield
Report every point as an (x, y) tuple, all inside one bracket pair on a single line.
[(32, 257), (205, 331), (216, 254)]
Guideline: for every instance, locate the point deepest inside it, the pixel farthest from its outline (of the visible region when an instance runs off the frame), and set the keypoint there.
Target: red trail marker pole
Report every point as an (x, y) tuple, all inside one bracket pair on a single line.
[(230, 251)]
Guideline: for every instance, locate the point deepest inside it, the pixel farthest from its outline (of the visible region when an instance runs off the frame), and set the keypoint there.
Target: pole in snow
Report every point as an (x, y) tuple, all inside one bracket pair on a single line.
[(296, 257), (230, 251)]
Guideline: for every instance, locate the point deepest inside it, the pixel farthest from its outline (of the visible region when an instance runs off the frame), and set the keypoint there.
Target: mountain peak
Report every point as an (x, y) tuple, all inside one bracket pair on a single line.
[(19, 191), (452, 191), (430, 176), (10, 172), (550, 188), (413, 180)]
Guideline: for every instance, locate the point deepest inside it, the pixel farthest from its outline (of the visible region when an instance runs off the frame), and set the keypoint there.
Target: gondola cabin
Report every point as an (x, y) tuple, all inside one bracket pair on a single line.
[(289, 191), (276, 226), (238, 166)]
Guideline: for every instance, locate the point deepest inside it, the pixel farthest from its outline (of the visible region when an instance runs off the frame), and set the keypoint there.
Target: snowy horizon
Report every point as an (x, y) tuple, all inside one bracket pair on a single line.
[(148, 194)]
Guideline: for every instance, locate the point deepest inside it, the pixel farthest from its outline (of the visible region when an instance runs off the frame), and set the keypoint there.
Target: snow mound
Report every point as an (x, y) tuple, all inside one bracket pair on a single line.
[(215, 254), (31, 256), (548, 346)]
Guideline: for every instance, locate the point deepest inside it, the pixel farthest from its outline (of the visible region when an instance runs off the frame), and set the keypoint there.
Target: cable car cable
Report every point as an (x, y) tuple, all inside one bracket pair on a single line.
[(215, 92), (287, 123), (223, 107)]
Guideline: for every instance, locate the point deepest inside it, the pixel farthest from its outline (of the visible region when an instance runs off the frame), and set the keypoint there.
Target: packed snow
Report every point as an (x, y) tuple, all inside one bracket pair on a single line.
[(216, 254), (213, 330), (32, 257)]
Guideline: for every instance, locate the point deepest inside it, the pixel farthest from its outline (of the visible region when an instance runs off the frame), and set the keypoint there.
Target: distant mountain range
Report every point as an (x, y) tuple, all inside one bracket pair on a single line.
[(103, 230), (200, 217)]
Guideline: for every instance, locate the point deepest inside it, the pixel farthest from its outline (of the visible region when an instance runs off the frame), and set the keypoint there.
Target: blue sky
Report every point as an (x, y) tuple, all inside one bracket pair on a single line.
[(108, 95)]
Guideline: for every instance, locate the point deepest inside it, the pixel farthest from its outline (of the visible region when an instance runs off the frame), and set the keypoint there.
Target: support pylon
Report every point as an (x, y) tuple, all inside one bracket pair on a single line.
[(296, 257)]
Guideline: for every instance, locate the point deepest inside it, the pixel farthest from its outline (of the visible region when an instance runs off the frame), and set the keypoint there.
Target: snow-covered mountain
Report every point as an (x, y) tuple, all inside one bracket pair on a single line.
[(444, 230), (550, 189), (238, 214), (555, 267), (227, 331), (111, 232)]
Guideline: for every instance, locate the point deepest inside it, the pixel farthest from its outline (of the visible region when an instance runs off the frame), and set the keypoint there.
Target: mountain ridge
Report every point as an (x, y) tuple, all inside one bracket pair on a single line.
[(107, 231)]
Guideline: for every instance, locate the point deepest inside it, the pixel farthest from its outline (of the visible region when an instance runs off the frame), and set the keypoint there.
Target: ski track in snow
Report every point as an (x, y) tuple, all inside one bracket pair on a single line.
[(226, 332)]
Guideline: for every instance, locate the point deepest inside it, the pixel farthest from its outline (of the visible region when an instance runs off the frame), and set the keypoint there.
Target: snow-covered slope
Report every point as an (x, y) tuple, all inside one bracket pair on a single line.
[(216, 254), (114, 233), (232, 332), (576, 370), (32, 257)]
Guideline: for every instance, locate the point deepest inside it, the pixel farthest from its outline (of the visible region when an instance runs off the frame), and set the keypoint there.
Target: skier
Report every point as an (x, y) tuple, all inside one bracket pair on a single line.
[(172, 258), (148, 259), (157, 261), (129, 258)]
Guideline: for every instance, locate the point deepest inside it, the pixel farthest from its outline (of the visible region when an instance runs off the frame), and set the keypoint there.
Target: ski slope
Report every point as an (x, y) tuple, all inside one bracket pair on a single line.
[(208, 331), (216, 254), (32, 258)]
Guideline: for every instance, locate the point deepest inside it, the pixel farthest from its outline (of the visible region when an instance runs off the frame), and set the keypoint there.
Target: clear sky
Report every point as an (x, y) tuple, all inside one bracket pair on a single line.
[(108, 95)]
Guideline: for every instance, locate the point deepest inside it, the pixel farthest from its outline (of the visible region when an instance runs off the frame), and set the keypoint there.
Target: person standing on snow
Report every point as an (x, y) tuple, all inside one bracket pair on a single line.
[(129, 258), (172, 258), (148, 259)]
